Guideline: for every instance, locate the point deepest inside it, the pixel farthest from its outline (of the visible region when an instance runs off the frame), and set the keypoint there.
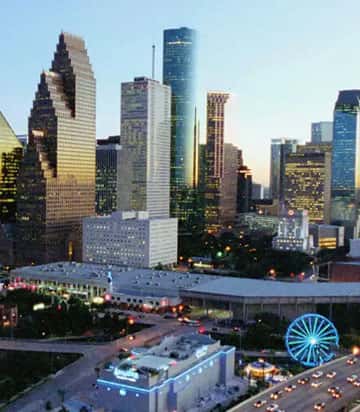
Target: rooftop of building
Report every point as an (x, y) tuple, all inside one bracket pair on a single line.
[(128, 215), (167, 356), (125, 279)]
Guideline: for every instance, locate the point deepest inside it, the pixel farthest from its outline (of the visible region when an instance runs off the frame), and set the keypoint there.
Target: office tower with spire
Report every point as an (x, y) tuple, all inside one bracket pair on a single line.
[(179, 72), (345, 176), (11, 152), (56, 185)]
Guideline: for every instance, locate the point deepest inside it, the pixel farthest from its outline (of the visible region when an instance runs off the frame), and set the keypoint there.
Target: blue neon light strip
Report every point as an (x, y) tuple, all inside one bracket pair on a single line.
[(154, 388)]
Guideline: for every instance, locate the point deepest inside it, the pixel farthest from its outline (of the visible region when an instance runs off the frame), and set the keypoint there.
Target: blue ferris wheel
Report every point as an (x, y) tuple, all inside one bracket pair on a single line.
[(311, 339)]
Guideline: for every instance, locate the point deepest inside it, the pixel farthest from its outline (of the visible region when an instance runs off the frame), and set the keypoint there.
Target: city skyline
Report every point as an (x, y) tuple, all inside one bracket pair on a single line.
[(292, 58)]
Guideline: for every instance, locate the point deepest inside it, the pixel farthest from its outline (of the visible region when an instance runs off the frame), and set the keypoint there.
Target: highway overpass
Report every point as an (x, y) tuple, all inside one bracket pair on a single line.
[(303, 398)]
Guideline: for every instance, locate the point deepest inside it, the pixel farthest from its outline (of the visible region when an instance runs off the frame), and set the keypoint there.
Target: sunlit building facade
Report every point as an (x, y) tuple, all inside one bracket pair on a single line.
[(345, 180), (307, 183), (179, 72), (145, 141), (11, 153), (56, 185)]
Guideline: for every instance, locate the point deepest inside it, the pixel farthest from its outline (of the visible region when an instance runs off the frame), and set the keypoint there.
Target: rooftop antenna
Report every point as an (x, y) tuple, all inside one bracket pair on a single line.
[(153, 62)]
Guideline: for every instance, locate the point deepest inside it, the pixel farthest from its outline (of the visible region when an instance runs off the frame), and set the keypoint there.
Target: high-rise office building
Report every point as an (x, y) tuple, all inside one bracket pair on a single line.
[(244, 190), (228, 185), (56, 185), (179, 72), (11, 153), (257, 191), (280, 148), (345, 176), (108, 161), (215, 135), (321, 132), (307, 182), (145, 140)]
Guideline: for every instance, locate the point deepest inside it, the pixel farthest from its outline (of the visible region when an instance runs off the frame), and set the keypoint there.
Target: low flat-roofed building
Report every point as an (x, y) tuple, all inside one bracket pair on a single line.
[(160, 289), (130, 238), (171, 376)]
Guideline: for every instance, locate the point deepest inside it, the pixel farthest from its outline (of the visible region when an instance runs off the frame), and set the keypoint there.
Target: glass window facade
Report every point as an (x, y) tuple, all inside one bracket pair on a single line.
[(345, 179), (179, 72), (11, 153), (56, 185)]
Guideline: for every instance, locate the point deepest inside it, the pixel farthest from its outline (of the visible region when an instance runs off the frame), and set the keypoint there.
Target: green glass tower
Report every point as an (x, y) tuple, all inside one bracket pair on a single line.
[(179, 72)]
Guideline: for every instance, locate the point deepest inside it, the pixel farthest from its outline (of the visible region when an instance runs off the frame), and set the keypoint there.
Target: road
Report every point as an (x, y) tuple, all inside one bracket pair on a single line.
[(303, 398), (80, 375)]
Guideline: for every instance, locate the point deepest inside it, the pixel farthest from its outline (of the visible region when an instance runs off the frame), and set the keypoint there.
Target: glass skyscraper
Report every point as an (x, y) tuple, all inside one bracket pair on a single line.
[(11, 152), (179, 72), (345, 179), (56, 185), (280, 148), (108, 161)]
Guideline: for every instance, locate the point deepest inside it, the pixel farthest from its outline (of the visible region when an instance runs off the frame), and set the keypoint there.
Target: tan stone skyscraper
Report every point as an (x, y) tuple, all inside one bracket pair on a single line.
[(56, 186)]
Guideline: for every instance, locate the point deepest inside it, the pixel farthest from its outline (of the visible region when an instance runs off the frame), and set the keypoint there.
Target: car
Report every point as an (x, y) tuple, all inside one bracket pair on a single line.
[(337, 394), (357, 383), (351, 361), (317, 374), (273, 407), (214, 329), (316, 384), (260, 403), (289, 388), (352, 378), (332, 389), (170, 316), (303, 381), (331, 374), (276, 395), (319, 406)]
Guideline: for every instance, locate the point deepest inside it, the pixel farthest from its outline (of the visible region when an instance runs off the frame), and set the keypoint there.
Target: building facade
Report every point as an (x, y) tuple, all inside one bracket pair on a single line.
[(11, 153), (293, 232), (220, 172), (307, 182), (145, 140), (171, 376), (108, 161), (327, 236), (179, 72), (130, 239), (244, 190), (345, 175), (56, 185), (321, 132), (280, 148)]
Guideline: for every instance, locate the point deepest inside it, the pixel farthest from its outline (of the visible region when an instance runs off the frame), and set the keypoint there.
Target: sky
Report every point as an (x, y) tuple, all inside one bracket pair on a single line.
[(283, 61)]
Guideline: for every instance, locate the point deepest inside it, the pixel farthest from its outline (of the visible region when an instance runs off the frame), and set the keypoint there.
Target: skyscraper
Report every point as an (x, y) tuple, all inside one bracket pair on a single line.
[(280, 148), (179, 72), (345, 179), (108, 161), (11, 152), (307, 182), (145, 140), (321, 132), (56, 186), (244, 190), (222, 160)]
